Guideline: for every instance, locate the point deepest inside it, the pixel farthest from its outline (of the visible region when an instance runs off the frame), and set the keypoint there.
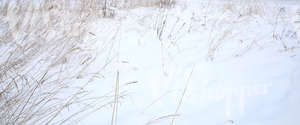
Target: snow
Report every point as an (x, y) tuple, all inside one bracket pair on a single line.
[(242, 74), (230, 63)]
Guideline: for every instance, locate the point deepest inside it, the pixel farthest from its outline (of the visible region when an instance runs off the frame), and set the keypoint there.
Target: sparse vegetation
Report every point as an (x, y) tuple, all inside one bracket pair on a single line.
[(44, 52), (50, 55)]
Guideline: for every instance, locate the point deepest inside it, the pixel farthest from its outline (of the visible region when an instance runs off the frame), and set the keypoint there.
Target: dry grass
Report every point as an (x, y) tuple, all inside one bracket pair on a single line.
[(183, 94), (252, 13), (43, 55), (46, 59), (166, 117), (116, 101), (145, 3)]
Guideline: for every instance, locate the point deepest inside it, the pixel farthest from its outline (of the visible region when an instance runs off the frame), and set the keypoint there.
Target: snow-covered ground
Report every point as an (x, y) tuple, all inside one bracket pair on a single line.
[(213, 64), (199, 62)]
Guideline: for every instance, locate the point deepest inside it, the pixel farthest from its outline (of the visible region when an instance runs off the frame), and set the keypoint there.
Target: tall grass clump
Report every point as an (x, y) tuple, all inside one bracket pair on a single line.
[(44, 62)]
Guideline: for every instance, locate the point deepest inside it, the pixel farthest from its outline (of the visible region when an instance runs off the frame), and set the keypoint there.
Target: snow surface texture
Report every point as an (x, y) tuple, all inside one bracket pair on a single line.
[(199, 62), (239, 63)]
